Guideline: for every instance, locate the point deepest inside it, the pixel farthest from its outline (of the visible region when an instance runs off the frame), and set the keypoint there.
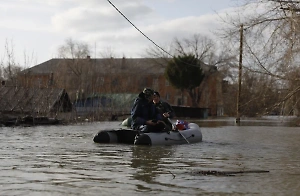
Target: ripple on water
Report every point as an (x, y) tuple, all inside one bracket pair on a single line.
[(63, 160)]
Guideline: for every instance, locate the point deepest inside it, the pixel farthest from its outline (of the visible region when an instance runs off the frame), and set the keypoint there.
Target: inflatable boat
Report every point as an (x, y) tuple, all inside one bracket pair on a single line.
[(129, 136)]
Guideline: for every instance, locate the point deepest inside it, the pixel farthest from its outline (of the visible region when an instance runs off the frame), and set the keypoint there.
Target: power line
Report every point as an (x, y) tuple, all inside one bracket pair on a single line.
[(139, 29), (146, 35)]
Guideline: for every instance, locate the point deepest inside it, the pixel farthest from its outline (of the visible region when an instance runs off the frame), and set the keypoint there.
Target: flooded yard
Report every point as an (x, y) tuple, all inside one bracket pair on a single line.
[(64, 160)]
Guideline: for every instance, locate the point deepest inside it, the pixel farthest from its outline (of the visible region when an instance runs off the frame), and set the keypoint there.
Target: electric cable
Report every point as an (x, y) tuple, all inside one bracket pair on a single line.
[(146, 35)]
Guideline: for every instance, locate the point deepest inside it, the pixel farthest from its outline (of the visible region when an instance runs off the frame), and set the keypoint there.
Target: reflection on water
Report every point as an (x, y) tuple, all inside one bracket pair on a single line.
[(64, 160), (147, 161), (283, 121)]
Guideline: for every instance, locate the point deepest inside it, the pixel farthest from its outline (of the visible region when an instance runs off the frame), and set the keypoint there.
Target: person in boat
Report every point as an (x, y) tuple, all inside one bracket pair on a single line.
[(145, 117), (164, 108)]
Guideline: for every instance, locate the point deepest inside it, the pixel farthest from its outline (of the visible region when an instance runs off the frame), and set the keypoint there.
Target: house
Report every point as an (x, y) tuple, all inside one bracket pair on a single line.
[(20, 101), (83, 78), (113, 104)]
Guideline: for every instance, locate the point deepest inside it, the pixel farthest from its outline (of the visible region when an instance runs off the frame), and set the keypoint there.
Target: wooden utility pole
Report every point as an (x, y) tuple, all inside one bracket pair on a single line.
[(238, 118)]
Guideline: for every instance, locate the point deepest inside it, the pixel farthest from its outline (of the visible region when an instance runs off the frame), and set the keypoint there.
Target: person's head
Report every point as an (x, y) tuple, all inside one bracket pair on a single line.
[(148, 93), (156, 97)]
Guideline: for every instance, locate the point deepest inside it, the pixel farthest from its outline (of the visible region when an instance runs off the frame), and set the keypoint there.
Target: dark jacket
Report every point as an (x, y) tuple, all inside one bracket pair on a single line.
[(142, 111), (164, 107)]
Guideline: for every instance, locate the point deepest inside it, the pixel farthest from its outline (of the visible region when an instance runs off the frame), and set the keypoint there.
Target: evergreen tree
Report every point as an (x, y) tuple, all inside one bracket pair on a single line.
[(185, 73)]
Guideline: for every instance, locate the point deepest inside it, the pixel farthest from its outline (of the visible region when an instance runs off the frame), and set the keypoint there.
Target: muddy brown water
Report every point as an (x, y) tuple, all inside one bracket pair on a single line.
[(64, 160)]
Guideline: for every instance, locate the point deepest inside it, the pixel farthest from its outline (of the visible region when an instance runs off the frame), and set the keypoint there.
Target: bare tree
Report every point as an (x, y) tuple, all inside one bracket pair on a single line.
[(77, 65), (9, 67), (271, 51), (73, 49)]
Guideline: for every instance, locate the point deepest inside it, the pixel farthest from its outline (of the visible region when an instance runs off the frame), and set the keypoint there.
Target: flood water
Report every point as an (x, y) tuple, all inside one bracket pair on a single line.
[(64, 160)]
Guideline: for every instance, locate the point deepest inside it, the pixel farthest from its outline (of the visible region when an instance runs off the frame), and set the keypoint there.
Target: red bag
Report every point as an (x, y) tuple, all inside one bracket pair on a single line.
[(181, 125)]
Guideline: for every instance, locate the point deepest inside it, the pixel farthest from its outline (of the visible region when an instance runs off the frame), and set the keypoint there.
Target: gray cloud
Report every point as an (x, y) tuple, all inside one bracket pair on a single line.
[(101, 17), (49, 22)]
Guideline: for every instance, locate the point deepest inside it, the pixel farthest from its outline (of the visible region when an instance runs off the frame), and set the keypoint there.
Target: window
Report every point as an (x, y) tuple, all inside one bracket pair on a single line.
[(101, 81), (115, 82), (167, 83), (179, 101), (155, 81), (128, 81), (142, 82), (38, 82), (167, 96)]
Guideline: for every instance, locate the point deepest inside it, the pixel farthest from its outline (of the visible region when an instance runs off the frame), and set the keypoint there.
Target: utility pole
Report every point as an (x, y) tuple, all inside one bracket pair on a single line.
[(238, 118)]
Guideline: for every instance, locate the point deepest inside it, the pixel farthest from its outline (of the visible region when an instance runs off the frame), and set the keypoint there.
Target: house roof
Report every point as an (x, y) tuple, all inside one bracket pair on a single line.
[(108, 65), (29, 100), (49, 66), (103, 65)]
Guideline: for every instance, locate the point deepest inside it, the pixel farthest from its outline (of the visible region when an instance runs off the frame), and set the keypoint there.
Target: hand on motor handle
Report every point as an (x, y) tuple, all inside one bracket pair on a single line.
[(166, 115), (153, 122)]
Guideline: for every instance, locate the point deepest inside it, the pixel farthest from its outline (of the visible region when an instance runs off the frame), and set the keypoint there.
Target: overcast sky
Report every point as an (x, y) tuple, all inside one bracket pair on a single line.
[(38, 27)]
